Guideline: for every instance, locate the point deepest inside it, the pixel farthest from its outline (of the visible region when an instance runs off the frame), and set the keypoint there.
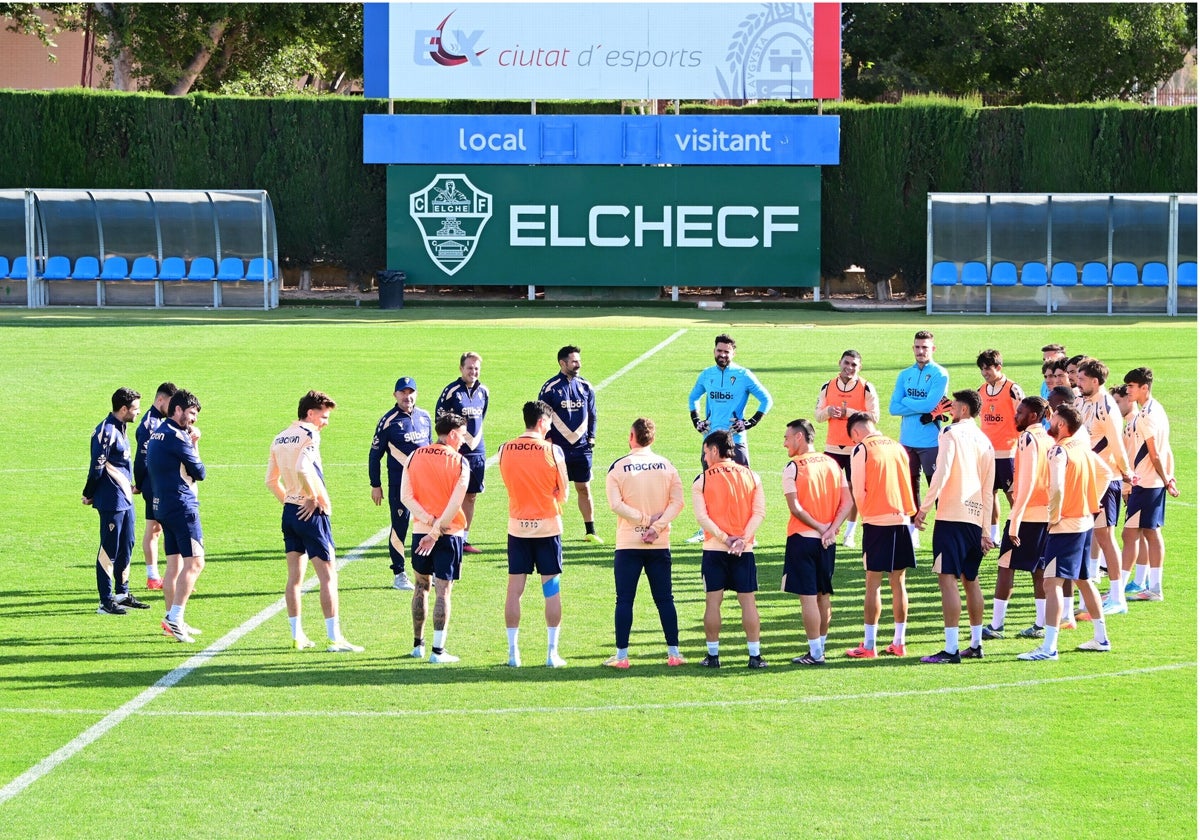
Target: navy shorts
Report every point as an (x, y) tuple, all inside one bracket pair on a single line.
[(843, 460), (443, 563), (1110, 506), (1065, 555), (478, 465), (887, 548), (579, 466), (720, 571), (807, 566), (1004, 475), (1027, 556), (313, 537), (1146, 507), (527, 554), (148, 499), (182, 534), (956, 549)]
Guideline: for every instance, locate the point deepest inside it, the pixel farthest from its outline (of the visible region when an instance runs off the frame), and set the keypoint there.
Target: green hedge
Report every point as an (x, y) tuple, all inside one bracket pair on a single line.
[(307, 152)]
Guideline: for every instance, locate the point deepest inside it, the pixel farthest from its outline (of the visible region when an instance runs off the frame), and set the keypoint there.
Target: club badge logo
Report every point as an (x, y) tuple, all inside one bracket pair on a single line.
[(771, 55), (450, 212)]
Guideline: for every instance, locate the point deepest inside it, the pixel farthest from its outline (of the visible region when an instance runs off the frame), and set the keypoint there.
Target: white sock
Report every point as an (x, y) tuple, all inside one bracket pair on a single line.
[(823, 640), (512, 639), (869, 631), (672, 650), (1099, 629), (999, 611), (1051, 643), (1039, 608), (552, 638), (622, 653), (294, 623), (850, 526), (996, 533), (333, 628), (1125, 573), (1067, 603), (1156, 579), (976, 635), (898, 634), (152, 572), (714, 648), (1140, 574), (814, 648), (439, 638), (754, 648), (467, 536), (951, 640)]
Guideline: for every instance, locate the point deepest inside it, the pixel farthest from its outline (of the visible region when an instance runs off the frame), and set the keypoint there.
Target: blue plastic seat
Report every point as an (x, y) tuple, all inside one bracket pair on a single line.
[(173, 268), (944, 274), (19, 270), (232, 269), (115, 268), (1154, 274), (3, 267), (974, 274), (202, 269), (86, 268), (1064, 274), (1187, 275), (144, 268), (1124, 274), (257, 273), (1095, 274), (1004, 274), (57, 268), (1033, 274)]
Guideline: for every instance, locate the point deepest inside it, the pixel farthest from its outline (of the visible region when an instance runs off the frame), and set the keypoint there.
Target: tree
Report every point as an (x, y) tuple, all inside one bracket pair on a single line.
[(1013, 52), (257, 48)]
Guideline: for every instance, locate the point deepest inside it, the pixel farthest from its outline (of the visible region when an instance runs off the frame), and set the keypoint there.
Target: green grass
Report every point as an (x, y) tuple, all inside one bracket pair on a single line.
[(260, 741)]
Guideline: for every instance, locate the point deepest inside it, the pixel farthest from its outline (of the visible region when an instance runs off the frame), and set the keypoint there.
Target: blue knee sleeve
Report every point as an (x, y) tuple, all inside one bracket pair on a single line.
[(550, 588)]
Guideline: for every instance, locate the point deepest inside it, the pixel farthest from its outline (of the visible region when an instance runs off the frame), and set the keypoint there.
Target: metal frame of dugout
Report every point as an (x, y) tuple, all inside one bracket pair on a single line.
[(198, 248), (1061, 254)]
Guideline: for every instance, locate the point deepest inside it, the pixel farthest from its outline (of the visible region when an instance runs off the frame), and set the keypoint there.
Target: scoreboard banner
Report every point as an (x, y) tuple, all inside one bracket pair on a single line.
[(564, 50), (500, 139), (605, 226)]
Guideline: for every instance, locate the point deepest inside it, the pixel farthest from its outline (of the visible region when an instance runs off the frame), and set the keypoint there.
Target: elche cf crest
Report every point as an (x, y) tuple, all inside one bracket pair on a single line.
[(451, 213)]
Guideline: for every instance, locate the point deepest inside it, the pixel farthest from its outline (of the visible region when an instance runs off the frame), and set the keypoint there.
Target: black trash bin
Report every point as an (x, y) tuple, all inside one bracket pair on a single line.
[(391, 289)]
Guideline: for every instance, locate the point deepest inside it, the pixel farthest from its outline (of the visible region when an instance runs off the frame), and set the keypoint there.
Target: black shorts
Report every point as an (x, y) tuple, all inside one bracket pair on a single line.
[(843, 460), (807, 566), (956, 549), (579, 466), (443, 563), (887, 548), (1004, 475), (720, 571), (527, 554), (1025, 557), (478, 465)]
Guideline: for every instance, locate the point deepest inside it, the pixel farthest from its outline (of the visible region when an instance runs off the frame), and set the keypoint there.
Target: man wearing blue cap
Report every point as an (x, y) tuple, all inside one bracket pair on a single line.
[(400, 432)]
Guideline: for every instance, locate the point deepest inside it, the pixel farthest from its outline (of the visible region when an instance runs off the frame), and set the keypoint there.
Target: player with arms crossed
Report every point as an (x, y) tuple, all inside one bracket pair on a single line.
[(840, 397)]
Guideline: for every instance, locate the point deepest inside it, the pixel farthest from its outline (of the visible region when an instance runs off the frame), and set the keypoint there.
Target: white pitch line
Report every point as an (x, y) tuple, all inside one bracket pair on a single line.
[(686, 704), (138, 703), (495, 459)]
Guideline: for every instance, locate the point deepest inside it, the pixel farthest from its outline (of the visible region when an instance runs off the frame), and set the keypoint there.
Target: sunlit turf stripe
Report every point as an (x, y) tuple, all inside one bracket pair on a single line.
[(138, 703), (685, 704)]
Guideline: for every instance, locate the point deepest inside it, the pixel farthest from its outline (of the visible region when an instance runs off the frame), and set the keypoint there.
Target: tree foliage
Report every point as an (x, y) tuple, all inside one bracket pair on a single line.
[(177, 48), (1013, 53)]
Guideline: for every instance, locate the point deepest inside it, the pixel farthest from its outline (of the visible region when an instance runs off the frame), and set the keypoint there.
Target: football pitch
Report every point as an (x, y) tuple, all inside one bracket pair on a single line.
[(112, 730)]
